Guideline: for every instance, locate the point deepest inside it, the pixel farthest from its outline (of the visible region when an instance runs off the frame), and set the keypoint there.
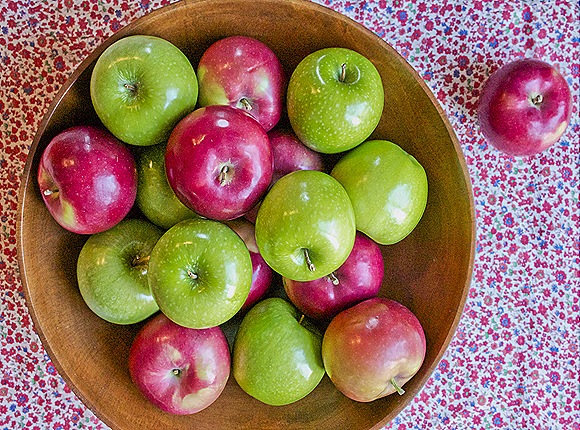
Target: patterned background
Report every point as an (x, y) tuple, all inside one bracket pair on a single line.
[(513, 362)]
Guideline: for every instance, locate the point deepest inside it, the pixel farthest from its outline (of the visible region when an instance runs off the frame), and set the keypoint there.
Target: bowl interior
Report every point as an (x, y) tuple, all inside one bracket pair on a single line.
[(429, 271)]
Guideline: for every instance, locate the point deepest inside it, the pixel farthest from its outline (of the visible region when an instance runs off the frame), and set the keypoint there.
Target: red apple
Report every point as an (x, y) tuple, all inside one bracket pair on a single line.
[(524, 107), (290, 154), (262, 274), (244, 73), (373, 348), (359, 278), (219, 162), (88, 179), (180, 370)]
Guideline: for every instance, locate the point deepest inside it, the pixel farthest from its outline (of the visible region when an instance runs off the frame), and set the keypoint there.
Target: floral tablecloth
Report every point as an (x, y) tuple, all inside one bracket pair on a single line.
[(513, 362)]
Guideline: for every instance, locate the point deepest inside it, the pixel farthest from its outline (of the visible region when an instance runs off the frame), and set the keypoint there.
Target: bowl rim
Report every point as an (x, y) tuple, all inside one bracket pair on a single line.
[(127, 30)]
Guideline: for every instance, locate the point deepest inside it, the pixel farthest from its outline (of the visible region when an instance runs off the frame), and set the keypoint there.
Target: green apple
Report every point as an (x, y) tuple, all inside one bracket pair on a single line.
[(305, 227), (277, 355), (335, 99), (200, 273), (141, 87), (155, 197), (387, 187), (112, 271)]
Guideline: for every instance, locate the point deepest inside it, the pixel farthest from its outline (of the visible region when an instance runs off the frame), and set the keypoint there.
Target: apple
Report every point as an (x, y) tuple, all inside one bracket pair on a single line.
[(387, 187), (524, 107), (112, 271), (141, 86), (200, 273), (335, 99), (155, 197), (360, 277), (87, 179), (290, 154), (262, 274), (180, 370), (305, 227), (244, 73), (373, 348), (219, 162), (277, 353)]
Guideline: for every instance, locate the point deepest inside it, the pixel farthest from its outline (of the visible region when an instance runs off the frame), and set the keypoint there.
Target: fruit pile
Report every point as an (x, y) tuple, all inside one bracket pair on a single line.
[(231, 196)]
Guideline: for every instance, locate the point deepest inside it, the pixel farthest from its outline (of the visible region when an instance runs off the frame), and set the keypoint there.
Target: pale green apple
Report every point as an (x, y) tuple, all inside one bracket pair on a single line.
[(200, 273), (277, 356), (112, 271), (305, 227), (335, 99), (387, 187), (141, 87), (155, 197)]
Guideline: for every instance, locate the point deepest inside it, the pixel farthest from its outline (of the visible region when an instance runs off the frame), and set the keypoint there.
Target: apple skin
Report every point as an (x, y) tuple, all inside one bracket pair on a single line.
[(141, 87), (262, 274), (112, 272), (200, 273), (155, 197), (243, 73), (277, 354), (387, 187), (87, 179), (524, 107), (180, 370), (219, 162), (370, 345), (305, 227), (360, 277), (330, 114), (290, 154)]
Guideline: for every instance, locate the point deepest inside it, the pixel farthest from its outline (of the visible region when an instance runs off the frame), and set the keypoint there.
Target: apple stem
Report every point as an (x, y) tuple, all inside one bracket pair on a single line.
[(309, 262), (192, 275), (342, 72), (223, 176), (141, 262), (538, 99), (333, 278), (131, 87), (176, 372), (245, 104), (397, 388), (301, 319)]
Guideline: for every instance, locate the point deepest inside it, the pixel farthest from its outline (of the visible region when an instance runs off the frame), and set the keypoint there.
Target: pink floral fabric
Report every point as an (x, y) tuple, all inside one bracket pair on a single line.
[(513, 362)]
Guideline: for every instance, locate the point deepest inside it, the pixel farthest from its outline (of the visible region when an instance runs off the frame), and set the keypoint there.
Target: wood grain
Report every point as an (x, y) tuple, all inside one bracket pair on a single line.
[(429, 271)]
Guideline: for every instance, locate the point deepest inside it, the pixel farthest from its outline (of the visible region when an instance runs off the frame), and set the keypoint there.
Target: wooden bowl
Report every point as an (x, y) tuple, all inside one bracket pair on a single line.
[(429, 271)]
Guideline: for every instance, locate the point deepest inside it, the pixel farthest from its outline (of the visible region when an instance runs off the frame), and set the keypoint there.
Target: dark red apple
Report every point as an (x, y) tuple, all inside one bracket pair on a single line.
[(359, 278), (524, 107), (219, 162), (180, 370), (244, 73), (87, 179), (262, 274), (373, 348), (290, 154)]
